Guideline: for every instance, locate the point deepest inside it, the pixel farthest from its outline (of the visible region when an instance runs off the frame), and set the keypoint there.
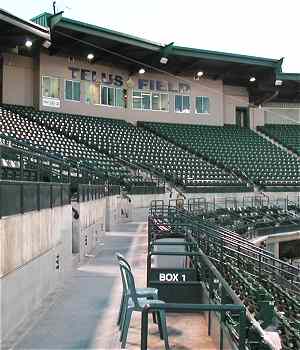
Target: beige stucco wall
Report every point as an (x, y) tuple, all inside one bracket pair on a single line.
[(20, 87), (234, 96), (17, 80), (59, 67)]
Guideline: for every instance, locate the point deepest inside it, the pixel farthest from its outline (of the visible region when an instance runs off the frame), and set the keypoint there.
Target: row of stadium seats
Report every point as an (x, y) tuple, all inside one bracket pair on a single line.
[(13, 124), (239, 149), (254, 221), (134, 145), (286, 134)]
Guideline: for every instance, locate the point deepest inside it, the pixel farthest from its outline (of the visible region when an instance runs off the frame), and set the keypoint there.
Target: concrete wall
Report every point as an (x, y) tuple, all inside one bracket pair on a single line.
[(30, 244), (88, 229), (18, 80)]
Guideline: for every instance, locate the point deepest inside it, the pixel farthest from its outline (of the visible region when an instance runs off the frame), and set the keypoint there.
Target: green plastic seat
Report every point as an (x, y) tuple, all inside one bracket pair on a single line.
[(150, 293), (137, 304)]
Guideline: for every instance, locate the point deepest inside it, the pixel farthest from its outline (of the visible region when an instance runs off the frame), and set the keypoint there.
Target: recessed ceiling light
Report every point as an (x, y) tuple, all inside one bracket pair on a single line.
[(90, 56), (199, 74), (252, 79), (278, 82), (142, 71), (164, 60), (28, 43)]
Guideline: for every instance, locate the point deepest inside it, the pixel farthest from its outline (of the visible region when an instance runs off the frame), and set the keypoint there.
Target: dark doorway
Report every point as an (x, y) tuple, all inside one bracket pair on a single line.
[(242, 117)]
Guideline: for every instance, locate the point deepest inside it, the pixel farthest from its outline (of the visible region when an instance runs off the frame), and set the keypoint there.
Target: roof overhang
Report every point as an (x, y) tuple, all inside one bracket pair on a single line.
[(14, 31), (74, 38), (26, 26)]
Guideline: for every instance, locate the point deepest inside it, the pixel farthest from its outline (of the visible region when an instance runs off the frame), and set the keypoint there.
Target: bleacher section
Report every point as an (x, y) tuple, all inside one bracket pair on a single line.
[(238, 149), (286, 134), (137, 146), (254, 221), (48, 142)]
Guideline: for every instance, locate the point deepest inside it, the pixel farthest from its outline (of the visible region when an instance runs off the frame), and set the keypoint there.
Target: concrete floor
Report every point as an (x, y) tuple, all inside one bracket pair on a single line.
[(83, 313)]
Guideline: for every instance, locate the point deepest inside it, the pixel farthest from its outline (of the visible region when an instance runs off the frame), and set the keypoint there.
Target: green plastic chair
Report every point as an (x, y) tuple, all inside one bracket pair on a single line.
[(137, 304), (150, 293)]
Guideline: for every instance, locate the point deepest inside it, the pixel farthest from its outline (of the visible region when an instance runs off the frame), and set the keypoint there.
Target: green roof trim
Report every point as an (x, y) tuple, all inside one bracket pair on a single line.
[(106, 33), (42, 19), (227, 57), (288, 76), (58, 21)]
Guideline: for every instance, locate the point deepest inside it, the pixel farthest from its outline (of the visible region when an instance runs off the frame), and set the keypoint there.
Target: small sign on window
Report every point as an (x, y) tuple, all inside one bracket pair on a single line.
[(51, 102)]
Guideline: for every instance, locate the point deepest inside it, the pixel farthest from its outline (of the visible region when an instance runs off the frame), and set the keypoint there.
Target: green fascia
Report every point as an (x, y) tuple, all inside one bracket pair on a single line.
[(227, 57), (288, 76), (42, 19), (108, 34)]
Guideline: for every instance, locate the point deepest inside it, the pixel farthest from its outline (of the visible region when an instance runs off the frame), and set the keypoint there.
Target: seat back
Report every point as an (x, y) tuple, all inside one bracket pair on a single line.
[(120, 257), (129, 283)]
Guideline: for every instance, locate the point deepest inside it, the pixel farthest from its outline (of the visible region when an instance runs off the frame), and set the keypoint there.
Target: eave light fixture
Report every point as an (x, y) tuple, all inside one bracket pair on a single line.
[(28, 43), (142, 71), (90, 56), (252, 79), (164, 60), (278, 82), (200, 74)]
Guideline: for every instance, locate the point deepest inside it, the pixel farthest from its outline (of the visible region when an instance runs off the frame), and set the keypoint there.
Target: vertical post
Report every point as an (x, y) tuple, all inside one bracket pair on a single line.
[(144, 329), (242, 329), (51, 196), (259, 267), (51, 179), (21, 167), (22, 198), (0, 166), (38, 170), (61, 171), (38, 196), (1, 201)]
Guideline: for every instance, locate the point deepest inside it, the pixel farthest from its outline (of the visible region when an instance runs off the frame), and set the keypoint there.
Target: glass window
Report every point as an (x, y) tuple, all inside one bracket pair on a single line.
[(202, 105), (154, 101), (111, 96), (164, 102), (182, 104), (50, 87), (146, 100), (120, 98), (72, 90), (137, 100), (91, 93)]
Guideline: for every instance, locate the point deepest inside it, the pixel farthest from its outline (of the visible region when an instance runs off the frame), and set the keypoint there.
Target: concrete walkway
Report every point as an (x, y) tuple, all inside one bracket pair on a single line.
[(83, 313)]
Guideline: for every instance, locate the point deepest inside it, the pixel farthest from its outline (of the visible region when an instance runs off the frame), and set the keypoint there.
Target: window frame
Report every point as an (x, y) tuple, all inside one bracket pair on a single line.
[(182, 95), (115, 95), (42, 87), (202, 113), (73, 81), (150, 93)]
